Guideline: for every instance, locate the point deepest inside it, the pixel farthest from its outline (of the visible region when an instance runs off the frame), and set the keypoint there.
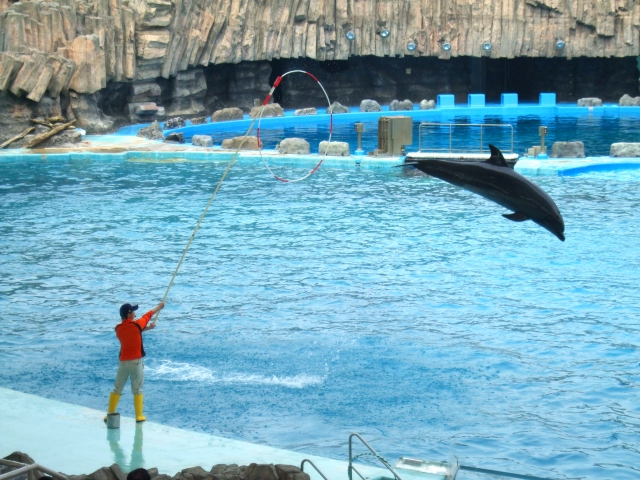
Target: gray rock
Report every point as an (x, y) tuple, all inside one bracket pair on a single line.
[(306, 111), (270, 110), (370, 106), (427, 104), (226, 114), (144, 92), (629, 150), (261, 472), (196, 473), (175, 137), (198, 120), (117, 471), (152, 132), (84, 108), (202, 140), (104, 473), (290, 472), (396, 105), (176, 122), (187, 90), (589, 102), (64, 139), (334, 149), (219, 468), (567, 150), (296, 146), (251, 143), (629, 101), (337, 107), (153, 472), (162, 476)]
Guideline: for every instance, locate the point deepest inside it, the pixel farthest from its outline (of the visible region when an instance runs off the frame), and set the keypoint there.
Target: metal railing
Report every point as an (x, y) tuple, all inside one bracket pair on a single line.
[(25, 468), (373, 452), (306, 460), (451, 125)]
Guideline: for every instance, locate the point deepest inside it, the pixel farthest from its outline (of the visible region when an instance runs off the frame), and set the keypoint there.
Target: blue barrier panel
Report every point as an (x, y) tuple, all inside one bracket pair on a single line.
[(476, 100), (446, 101), (547, 99), (509, 100)]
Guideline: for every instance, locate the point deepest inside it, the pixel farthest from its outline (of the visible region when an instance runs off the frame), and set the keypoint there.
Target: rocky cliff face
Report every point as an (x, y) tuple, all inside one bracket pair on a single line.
[(81, 46)]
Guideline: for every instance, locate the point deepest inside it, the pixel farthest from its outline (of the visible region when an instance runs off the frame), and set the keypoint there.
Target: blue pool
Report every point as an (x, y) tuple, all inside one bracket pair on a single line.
[(385, 303)]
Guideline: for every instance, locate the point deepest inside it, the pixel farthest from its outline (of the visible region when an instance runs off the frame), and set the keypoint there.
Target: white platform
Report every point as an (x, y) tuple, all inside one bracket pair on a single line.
[(74, 440)]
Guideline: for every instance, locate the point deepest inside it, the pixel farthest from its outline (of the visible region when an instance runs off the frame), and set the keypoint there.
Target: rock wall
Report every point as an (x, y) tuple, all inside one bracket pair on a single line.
[(80, 45), (138, 60)]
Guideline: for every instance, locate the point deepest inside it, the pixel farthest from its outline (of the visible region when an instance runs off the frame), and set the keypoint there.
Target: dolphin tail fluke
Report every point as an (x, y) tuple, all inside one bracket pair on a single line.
[(516, 216)]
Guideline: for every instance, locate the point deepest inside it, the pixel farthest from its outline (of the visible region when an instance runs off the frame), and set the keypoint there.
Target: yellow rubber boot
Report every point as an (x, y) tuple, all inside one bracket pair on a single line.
[(114, 398), (137, 405)]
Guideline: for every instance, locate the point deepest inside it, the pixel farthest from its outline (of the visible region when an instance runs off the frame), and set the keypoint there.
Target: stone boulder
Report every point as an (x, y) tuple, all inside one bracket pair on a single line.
[(84, 109), (270, 110), (396, 105), (334, 149), (337, 107), (198, 120), (589, 102), (195, 473), (295, 146), (370, 106), (261, 472), (306, 111), (108, 473), (152, 132), (202, 140), (251, 143), (176, 122), (629, 150), (629, 101), (427, 104), (175, 137), (567, 150), (290, 472), (227, 114)]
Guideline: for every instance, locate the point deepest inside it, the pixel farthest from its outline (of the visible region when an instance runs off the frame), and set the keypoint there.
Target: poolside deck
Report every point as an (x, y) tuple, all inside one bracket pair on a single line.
[(73, 440)]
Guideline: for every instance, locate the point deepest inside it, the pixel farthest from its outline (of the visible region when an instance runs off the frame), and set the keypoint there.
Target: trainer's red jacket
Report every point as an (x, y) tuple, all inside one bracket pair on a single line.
[(129, 332)]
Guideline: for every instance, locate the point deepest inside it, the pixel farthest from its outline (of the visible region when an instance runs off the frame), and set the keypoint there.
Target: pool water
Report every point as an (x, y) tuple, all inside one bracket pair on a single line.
[(386, 303), (597, 132)]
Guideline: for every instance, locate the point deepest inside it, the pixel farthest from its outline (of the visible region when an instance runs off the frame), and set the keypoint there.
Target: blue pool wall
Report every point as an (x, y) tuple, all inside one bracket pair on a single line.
[(446, 108)]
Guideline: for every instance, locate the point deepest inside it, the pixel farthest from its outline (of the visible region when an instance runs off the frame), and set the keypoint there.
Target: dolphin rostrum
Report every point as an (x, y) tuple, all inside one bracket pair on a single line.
[(494, 180)]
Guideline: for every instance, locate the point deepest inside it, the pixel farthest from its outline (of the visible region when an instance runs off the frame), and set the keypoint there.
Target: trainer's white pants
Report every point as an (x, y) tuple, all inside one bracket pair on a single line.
[(126, 369)]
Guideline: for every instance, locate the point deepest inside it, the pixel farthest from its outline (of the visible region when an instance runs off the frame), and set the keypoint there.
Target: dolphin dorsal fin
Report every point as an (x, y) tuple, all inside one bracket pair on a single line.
[(496, 157)]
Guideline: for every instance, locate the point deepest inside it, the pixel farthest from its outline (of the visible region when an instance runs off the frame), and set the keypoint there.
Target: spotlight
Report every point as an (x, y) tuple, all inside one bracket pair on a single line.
[(446, 46), (411, 46), (560, 44), (350, 35), (486, 46), (384, 33)]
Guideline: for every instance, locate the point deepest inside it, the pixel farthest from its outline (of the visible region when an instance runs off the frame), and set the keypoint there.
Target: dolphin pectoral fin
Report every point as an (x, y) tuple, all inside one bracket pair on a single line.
[(516, 216), (496, 157)]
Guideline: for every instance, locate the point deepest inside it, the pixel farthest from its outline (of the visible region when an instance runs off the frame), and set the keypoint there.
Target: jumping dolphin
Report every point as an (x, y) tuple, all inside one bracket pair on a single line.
[(494, 180)]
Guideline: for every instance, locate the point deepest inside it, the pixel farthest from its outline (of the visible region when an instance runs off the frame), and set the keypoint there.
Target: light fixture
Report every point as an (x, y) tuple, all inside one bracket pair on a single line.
[(446, 46), (411, 46), (486, 46), (350, 35), (384, 33), (560, 44)]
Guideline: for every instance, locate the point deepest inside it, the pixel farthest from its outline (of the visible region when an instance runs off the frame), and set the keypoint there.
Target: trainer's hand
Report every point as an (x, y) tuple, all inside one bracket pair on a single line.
[(150, 326), (159, 307)]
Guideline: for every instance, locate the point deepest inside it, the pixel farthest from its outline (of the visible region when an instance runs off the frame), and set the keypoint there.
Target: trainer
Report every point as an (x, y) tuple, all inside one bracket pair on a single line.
[(129, 332)]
